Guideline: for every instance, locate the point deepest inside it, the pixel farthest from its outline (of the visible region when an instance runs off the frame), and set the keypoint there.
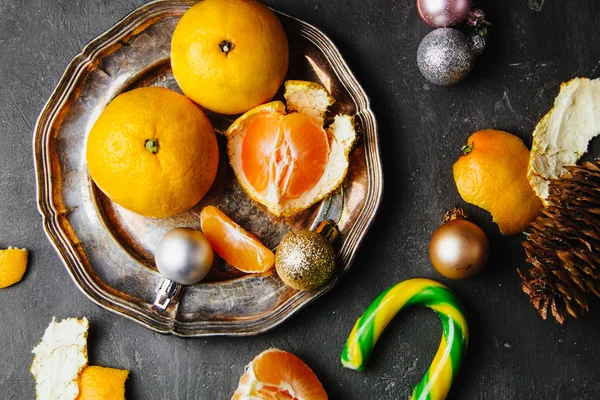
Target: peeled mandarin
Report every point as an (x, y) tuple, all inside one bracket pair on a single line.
[(277, 374), (290, 151), (284, 157)]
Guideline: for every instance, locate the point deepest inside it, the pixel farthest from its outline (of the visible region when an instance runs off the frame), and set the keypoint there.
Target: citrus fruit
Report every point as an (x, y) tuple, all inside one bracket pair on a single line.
[(562, 136), (233, 243), (101, 383), (229, 55), (13, 263), (277, 374), (288, 162), (492, 174), (153, 152)]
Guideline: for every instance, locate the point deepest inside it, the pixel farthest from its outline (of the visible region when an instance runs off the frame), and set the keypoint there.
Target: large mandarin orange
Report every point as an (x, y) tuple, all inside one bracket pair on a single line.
[(233, 243), (229, 55), (492, 174), (153, 151), (278, 375)]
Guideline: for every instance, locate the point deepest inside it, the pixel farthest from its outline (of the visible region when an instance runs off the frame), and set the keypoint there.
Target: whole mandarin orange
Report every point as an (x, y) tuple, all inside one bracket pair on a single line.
[(153, 151), (229, 55)]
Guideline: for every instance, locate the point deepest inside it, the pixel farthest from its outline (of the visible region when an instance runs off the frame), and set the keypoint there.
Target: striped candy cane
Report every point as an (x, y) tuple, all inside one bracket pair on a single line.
[(436, 383)]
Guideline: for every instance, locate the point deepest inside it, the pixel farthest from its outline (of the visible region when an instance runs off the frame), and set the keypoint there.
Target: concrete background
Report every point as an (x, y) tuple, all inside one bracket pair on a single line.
[(535, 45)]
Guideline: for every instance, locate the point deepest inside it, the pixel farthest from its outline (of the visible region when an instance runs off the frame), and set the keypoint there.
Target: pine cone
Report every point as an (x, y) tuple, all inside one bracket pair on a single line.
[(563, 245)]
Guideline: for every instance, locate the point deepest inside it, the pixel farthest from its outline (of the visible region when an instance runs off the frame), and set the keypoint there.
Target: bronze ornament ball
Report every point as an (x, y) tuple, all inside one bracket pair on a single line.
[(459, 249)]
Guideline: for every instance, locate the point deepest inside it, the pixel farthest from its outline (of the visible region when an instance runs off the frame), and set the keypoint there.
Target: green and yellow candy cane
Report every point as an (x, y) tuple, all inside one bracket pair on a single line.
[(436, 383)]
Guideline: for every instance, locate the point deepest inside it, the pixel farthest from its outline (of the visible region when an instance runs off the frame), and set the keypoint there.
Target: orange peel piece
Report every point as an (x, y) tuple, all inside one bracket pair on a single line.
[(13, 264), (102, 383), (59, 359), (563, 135)]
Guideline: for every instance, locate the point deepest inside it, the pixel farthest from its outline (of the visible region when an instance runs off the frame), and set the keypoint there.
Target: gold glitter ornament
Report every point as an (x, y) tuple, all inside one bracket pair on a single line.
[(305, 259)]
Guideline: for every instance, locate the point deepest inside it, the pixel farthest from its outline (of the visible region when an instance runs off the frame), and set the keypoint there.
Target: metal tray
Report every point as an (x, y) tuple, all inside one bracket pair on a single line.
[(108, 250)]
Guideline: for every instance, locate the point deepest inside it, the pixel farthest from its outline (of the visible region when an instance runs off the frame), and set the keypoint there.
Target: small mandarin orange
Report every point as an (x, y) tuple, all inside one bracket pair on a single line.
[(492, 174)]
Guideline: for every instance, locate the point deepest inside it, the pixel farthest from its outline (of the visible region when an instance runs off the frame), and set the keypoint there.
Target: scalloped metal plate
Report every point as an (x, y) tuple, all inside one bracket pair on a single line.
[(108, 250)]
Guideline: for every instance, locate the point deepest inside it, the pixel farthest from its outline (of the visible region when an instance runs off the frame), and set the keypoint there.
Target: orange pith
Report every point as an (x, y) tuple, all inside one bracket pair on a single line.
[(289, 152), (277, 374), (233, 243)]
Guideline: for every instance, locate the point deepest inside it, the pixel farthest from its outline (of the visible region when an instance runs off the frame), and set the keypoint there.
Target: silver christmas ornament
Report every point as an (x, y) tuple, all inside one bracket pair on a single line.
[(183, 256), (445, 56)]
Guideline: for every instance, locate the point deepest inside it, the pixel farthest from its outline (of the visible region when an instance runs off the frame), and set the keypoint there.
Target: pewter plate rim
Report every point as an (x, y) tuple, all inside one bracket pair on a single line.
[(66, 250)]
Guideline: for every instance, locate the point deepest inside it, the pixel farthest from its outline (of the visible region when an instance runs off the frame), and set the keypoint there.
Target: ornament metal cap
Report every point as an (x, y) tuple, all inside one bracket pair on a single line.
[(167, 291), (329, 229)]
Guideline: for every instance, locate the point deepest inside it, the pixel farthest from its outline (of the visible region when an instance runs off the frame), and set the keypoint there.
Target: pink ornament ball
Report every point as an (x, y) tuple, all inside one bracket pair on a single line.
[(442, 13)]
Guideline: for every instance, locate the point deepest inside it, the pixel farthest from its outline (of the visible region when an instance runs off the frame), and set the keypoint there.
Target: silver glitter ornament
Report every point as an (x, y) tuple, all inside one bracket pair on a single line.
[(445, 56), (305, 259), (183, 256)]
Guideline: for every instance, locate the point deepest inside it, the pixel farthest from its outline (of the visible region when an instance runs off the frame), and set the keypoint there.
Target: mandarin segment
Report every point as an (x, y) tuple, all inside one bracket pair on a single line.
[(13, 264), (306, 154), (493, 175), (102, 383), (261, 142), (277, 374), (233, 243)]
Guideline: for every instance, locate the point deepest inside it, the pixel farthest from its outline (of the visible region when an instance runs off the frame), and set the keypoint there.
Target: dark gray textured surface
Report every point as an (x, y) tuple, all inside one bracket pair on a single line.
[(535, 45)]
